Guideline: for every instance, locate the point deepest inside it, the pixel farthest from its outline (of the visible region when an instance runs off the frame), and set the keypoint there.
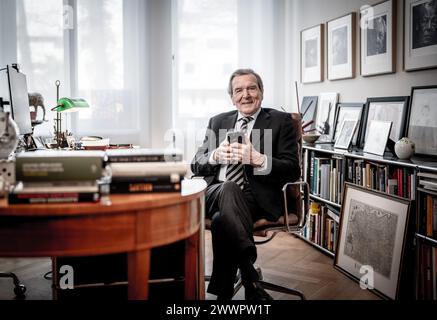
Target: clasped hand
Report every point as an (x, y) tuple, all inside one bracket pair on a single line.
[(238, 153)]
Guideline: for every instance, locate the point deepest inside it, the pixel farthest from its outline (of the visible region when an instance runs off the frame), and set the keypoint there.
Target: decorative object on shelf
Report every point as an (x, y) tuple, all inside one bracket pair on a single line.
[(372, 238), (377, 138), (394, 109), (347, 131), (36, 101), (310, 138), (404, 148), (326, 115), (312, 54), (420, 35), (422, 125), (348, 111), (378, 38), (341, 47), (309, 113)]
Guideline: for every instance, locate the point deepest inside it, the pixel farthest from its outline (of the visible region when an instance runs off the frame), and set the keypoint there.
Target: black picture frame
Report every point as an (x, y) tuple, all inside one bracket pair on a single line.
[(312, 54), (372, 239), (393, 109), (422, 125), (349, 111), (420, 53), (309, 113)]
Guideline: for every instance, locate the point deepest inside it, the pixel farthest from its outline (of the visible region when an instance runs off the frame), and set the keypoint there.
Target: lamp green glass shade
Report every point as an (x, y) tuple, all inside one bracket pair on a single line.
[(71, 105)]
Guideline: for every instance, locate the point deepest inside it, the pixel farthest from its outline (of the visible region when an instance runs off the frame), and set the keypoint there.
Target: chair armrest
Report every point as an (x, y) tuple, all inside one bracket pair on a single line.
[(303, 195)]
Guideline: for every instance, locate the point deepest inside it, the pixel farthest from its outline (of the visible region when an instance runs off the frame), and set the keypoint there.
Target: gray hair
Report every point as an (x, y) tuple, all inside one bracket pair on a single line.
[(242, 72)]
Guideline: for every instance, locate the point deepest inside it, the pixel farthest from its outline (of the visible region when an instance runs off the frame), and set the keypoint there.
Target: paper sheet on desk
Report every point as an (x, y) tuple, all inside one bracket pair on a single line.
[(101, 144)]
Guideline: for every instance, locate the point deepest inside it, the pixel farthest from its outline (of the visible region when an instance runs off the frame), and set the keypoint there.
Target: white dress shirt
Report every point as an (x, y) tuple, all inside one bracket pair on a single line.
[(237, 127)]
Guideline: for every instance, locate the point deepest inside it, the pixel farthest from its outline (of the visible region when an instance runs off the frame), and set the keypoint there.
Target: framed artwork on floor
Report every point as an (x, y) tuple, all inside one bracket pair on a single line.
[(371, 240), (394, 109), (312, 54), (349, 111), (420, 34), (422, 124), (341, 47), (378, 38)]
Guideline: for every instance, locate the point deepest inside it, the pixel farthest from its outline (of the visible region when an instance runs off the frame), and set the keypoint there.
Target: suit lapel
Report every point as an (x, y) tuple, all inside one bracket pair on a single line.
[(262, 122), (229, 121)]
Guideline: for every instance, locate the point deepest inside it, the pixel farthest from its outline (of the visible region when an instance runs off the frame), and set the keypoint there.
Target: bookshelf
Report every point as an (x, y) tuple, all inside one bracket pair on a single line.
[(327, 169)]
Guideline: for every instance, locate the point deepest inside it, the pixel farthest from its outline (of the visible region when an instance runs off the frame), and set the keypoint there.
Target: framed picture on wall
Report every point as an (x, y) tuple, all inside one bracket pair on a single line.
[(422, 124), (420, 34), (371, 239), (348, 111), (341, 47), (394, 109), (378, 38), (312, 54)]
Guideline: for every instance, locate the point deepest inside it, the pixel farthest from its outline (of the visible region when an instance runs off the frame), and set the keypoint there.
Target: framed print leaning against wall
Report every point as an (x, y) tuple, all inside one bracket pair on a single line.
[(420, 34), (371, 240), (378, 38), (422, 124), (341, 47), (312, 54)]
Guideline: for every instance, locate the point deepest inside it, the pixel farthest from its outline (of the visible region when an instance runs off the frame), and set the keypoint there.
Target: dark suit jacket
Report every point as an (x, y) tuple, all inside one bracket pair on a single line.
[(282, 155)]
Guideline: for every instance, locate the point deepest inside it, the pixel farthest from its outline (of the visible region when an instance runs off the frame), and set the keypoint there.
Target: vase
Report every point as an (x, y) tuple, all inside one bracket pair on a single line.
[(404, 148)]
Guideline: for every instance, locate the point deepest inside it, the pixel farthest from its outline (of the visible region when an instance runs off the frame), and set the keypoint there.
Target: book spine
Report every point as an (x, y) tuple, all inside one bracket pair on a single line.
[(58, 169), (33, 198), (133, 187), (145, 158), (149, 179)]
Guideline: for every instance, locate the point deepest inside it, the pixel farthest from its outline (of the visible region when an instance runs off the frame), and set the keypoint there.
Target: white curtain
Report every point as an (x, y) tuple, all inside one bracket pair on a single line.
[(96, 48)]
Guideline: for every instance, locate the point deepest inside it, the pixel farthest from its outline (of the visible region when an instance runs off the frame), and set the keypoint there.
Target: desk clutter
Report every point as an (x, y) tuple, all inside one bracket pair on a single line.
[(49, 176)]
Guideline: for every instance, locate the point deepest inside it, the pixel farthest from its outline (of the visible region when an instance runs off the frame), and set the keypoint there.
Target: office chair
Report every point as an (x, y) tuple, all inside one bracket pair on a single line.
[(19, 288), (293, 221)]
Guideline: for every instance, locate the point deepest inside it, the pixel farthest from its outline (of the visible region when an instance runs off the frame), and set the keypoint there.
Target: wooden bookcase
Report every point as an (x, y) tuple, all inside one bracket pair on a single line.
[(326, 169)]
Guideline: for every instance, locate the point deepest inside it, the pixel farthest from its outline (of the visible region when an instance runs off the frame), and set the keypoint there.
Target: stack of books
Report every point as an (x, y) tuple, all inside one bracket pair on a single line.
[(49, 176), (146, 170)]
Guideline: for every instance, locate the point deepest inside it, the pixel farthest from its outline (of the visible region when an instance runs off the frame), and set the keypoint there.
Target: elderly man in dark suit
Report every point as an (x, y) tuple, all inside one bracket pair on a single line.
[(244, 180)]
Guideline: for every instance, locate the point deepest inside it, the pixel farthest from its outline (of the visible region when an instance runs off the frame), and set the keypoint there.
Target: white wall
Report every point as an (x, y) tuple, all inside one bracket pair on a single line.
[(308, 13)]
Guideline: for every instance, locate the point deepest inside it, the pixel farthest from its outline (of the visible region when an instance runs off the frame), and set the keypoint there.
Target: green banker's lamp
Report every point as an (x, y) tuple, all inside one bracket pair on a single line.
[(65, 105)]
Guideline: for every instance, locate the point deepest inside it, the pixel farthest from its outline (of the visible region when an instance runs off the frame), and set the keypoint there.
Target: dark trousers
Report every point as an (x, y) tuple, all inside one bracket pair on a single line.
[(232, 211)]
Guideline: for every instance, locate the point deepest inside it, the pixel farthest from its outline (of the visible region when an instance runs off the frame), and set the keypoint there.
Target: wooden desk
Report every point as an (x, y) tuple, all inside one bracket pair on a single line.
[(129, 223)]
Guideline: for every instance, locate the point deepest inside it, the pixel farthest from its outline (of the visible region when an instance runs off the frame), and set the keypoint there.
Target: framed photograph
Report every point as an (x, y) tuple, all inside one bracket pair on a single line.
[(347, 130), (378, 38), (420, 34), (326, 115), (422, 124), (309, 113), (353, 111), (372, 237), (394, 109), (311, 48), (341, 47), (377, 137)]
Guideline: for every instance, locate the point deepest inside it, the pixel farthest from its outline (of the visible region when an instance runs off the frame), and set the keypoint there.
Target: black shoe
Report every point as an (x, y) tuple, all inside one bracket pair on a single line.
[(256, 293)]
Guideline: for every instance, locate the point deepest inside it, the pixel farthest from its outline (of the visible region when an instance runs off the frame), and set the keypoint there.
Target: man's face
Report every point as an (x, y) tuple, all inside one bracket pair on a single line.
[(429, 23), (246, 95)]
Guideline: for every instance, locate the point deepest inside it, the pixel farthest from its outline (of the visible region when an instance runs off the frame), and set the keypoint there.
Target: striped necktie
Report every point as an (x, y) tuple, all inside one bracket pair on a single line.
[(235, 172)]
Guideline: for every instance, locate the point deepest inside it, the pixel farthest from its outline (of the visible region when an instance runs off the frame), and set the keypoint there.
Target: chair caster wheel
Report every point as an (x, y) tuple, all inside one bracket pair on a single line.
[(19, 291)]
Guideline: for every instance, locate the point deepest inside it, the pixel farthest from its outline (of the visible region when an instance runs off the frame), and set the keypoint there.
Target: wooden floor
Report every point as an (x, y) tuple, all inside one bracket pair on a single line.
[(286, 260)]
